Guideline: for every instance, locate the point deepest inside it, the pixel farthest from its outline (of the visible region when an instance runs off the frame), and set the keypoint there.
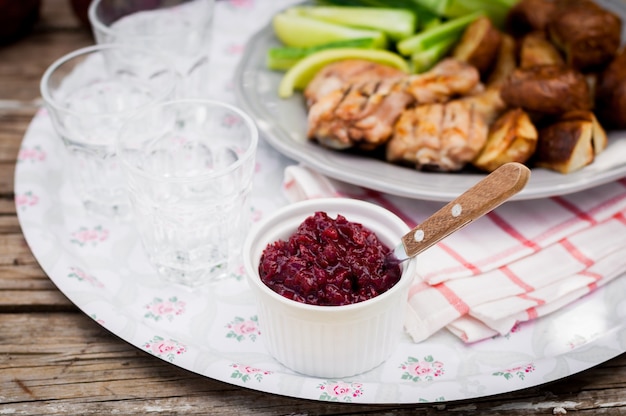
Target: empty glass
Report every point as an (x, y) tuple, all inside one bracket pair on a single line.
[(189, 166), (88, 94), (180, 29)]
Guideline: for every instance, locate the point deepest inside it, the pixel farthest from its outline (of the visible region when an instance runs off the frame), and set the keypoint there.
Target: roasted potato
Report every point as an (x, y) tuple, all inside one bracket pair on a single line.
[(547, 89), (535, 49), (587, 34), (505, 63), (570, 143), (512, 138), (611, 93), (529, 16), (599, 137), (479, 45)]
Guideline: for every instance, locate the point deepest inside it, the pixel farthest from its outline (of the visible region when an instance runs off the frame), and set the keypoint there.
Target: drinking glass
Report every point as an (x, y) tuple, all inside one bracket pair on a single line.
[(189, 166), (88, 93), (181, 29)]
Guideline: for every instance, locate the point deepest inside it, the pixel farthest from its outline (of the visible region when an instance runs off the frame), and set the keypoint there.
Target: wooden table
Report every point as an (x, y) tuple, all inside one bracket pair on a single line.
[(56, 360)]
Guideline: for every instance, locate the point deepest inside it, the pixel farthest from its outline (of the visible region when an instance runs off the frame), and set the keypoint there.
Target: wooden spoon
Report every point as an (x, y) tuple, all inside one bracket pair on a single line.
[(490, 192)]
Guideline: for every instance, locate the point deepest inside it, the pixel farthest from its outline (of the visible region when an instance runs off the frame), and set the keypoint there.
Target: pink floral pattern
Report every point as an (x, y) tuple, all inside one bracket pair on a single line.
[(238, 273), (576, 342), (340, 391), (27, 199), (521, 372), (235, 49), (98, 320), (231, 120), (84, 236), (246, 373), (82, 276), (34, 154), (514, 329), (164, 308), (165, 348), (241, 4), (256, 215), (426, 369), (242, 329)]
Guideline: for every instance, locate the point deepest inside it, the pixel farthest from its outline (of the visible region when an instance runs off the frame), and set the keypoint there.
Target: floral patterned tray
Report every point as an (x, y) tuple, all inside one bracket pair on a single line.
[(100, 266)]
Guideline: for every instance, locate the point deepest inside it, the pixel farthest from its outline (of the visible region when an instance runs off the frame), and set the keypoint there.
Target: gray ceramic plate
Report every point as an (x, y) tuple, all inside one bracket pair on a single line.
[(283, 123)]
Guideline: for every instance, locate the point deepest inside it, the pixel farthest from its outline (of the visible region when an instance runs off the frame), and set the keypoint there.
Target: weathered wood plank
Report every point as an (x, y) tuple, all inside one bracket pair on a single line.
[(27, 276), (39, 300), (9, 223), (7, 179), (14, 120), (15, 251), (13, 125), (57, 15), (23, 63)]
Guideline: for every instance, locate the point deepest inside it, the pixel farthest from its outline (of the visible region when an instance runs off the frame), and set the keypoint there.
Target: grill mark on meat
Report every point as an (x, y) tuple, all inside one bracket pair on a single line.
[(366, 113), (345, 94)]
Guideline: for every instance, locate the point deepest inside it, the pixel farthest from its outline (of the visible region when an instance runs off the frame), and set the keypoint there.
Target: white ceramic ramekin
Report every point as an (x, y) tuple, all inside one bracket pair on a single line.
[(329, 341)]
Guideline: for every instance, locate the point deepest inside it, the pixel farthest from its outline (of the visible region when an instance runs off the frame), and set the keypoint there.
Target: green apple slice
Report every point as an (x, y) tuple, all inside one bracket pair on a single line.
[(298, 77)]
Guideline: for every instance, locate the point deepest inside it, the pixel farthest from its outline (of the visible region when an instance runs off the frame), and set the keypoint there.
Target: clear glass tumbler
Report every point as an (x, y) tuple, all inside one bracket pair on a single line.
[(88, 94), (189, 165), (180, 29)]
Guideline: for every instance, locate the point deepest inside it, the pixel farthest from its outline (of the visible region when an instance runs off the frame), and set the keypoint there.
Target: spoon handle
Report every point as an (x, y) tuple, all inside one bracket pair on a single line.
[(478, 200)]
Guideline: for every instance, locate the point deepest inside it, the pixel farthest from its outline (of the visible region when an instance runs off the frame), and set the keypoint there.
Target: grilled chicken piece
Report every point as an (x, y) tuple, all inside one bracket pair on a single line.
[(448, 79), (512, 138), (440, 137), (361, 115), (570, 143), (340, 74)]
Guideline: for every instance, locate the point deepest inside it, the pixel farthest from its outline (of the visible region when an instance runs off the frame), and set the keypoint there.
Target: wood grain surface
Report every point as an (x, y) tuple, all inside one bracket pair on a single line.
[(54, 360)]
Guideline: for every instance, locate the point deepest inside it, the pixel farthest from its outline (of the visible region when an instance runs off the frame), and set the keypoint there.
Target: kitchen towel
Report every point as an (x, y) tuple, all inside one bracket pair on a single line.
[(522, 261)]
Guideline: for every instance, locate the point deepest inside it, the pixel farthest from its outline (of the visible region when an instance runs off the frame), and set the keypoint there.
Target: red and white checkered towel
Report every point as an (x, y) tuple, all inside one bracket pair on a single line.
[(521, 261)]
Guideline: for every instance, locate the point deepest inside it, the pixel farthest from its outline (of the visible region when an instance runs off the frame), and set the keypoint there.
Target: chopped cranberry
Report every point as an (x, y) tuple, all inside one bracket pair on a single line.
[(329, 262)]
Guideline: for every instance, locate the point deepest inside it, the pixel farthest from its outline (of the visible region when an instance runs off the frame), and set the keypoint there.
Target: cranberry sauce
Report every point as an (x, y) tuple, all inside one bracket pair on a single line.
[(329, 262)]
